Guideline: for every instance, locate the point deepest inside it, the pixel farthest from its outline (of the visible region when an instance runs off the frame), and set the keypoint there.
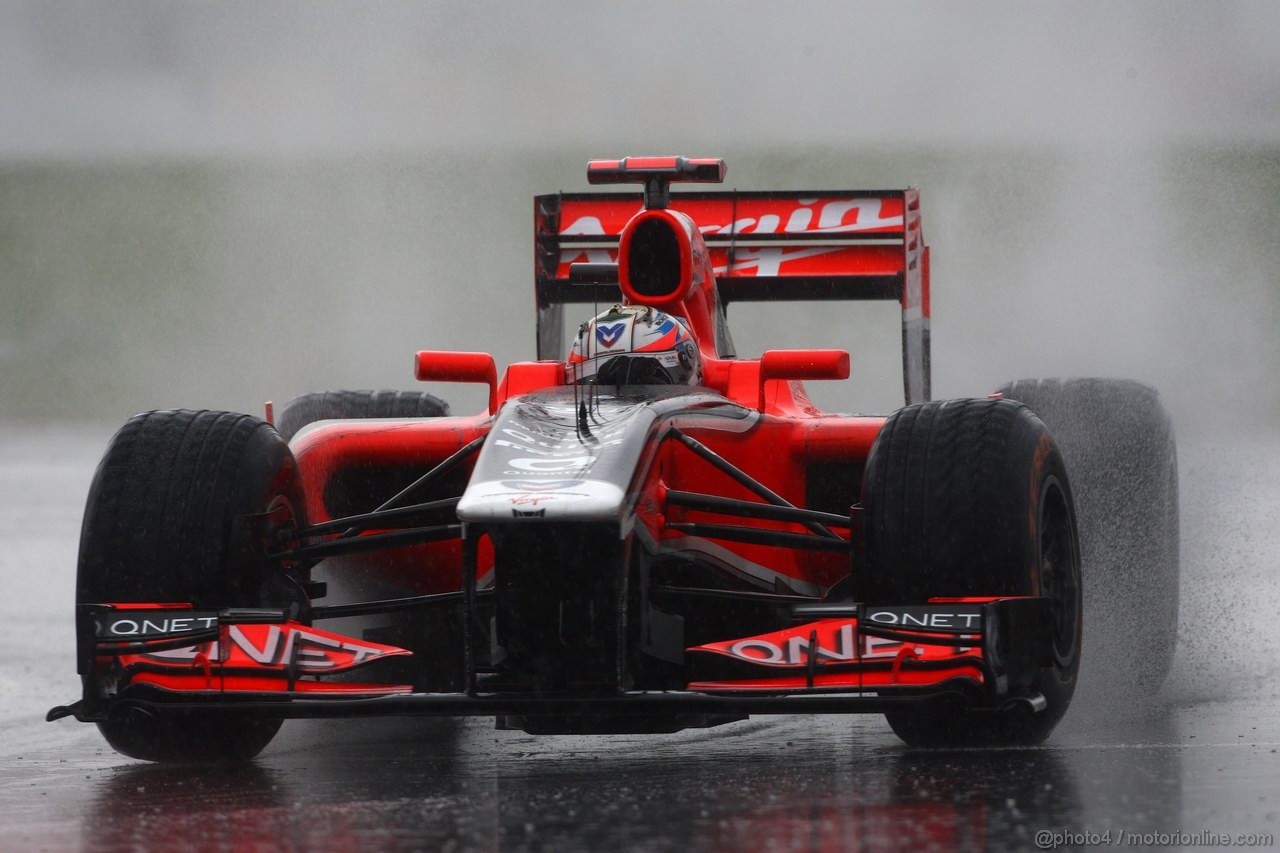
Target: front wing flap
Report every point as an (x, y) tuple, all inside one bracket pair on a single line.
[(215, 655), (987, 647)]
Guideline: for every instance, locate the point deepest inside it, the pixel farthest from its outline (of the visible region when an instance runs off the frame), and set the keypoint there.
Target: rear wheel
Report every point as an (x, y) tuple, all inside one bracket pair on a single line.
[(346, 405), (971, 498), (162, 525), (1118, 440)]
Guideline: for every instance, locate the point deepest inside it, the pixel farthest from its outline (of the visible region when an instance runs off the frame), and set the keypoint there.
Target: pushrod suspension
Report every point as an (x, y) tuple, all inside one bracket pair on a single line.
[(375, 542), (369, 519), (426, 479), (756, 536), (753, 509), (391, 605)]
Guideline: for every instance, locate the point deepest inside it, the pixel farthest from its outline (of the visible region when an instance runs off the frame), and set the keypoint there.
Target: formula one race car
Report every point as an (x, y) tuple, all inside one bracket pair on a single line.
[(651, 535)]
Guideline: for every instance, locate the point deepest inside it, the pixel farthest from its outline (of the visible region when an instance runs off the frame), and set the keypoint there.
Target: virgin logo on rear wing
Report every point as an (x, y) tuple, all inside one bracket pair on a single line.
[(854, 244), (754, 235), (745, 215)]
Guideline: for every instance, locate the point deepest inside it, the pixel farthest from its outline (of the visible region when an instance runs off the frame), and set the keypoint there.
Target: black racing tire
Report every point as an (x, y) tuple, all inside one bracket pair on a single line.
[(160, 526), (1118, 442), (346, 405), (971, 498), (204, 738)]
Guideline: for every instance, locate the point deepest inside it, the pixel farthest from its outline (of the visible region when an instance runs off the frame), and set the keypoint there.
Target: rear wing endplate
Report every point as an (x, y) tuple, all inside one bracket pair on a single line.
[(765, 246)]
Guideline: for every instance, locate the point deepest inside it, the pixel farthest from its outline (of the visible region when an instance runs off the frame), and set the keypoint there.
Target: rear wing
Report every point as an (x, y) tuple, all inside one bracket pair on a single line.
[(765, 246)]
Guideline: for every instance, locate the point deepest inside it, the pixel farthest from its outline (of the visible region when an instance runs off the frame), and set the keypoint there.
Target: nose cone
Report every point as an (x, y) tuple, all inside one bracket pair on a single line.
[(538, 464)]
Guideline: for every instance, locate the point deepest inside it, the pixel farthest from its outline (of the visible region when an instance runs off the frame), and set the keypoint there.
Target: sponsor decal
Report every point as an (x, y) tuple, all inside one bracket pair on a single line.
[(570, 451), (537, 428), (607, 336), (567, 449), (274, 647), (833, 218), (781, 216), (796, 650), (835, 215), (547, 486), (531, 500), (566, 433), (152, 624), (588, 225), (568, 445), (827, 641), (527, 465), (952, 619), (565, 441)]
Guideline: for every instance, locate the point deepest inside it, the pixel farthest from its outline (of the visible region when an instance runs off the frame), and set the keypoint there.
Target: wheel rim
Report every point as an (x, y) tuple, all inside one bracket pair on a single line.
[(284, 520), (1060, 570)]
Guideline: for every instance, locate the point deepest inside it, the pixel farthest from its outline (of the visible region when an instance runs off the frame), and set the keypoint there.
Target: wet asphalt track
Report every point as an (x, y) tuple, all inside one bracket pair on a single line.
[(1203, 758)]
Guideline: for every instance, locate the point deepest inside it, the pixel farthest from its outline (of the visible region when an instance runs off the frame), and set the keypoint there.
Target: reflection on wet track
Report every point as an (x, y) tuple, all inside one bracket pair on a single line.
[(785, 784), (1195, 761)]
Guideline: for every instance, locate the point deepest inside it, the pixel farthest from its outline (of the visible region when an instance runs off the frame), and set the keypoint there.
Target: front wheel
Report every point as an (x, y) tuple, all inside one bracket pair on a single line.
[(161, 526), (971, 498), (203, 738)]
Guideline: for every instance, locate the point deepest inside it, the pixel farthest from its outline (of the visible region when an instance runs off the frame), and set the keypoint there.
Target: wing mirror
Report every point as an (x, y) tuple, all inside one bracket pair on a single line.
[(804, 364), (477, 367)]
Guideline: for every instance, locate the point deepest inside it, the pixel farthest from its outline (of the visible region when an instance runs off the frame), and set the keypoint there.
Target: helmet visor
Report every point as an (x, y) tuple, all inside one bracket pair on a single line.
[(668, 367)]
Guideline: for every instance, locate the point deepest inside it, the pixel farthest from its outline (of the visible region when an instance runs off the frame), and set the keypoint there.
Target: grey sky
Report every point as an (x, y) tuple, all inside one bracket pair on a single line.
[(141, 79)]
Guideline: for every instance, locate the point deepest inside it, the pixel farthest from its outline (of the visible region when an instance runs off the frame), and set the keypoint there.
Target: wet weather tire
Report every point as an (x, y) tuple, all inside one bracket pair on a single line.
[(345, 405), (971, 498), (1118, 442), (164, 523), (204, 738)]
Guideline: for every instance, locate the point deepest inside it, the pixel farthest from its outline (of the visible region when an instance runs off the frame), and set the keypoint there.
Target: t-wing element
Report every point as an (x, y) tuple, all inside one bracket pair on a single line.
[(657, 174)]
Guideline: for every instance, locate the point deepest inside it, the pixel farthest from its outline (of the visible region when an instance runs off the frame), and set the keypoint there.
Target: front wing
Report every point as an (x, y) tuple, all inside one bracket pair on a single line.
[(839, 658)]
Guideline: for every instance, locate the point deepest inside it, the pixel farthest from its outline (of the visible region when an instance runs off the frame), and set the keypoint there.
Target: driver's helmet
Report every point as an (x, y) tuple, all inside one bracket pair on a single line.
[(635, 345)]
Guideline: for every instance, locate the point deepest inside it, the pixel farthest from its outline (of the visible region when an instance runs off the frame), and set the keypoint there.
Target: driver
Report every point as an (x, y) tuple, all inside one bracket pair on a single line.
[(635, 345)]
